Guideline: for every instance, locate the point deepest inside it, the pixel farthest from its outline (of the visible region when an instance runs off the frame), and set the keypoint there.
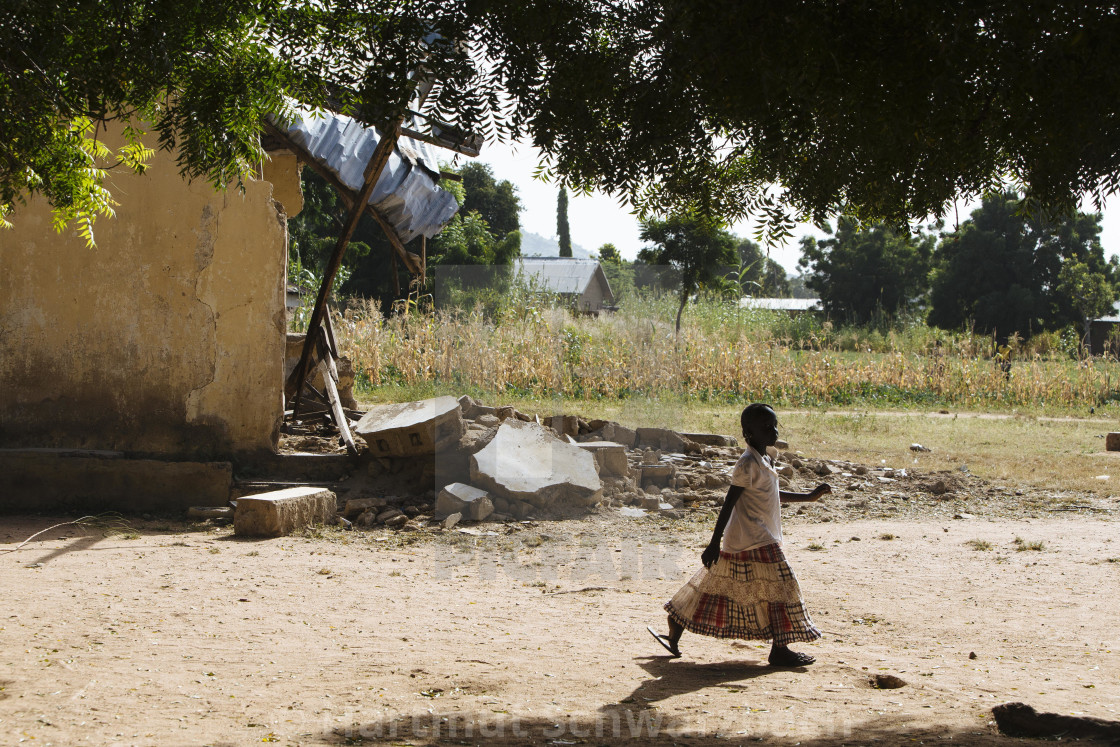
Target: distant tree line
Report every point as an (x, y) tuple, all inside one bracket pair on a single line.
[(999, 272)]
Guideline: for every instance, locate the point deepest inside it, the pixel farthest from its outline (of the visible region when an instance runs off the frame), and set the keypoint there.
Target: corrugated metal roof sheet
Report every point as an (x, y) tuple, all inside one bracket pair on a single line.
[(406, 193), (781, 304), (559, 274)]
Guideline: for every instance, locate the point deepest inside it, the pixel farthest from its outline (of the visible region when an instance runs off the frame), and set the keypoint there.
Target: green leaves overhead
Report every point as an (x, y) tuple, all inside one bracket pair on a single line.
[(772, 108)]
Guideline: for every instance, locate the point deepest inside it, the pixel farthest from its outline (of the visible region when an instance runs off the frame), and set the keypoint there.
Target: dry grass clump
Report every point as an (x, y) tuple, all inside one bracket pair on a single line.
[(722, 354)]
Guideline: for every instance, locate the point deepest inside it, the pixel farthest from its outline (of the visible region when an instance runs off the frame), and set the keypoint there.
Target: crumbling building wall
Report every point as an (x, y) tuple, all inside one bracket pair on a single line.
[(167, 338)]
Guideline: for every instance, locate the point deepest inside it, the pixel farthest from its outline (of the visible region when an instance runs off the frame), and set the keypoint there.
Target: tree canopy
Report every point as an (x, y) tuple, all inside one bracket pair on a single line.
[(779, 109), (1004, 272), (693, 248), (863, 272), (496, 201)]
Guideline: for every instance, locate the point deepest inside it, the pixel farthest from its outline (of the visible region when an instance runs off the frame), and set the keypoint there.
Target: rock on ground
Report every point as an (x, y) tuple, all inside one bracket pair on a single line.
[(526, 462), (459, 498), (281, 512)]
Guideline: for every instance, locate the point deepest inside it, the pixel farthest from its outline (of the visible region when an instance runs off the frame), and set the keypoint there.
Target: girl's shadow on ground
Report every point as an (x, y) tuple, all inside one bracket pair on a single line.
[(671, 677)]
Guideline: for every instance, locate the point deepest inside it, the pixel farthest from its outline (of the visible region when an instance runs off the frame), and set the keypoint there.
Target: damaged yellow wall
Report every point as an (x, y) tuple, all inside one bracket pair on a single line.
[(167, 338)]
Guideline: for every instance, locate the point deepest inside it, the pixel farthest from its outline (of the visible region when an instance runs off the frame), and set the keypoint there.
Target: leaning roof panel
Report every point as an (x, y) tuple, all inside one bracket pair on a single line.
[(407, 193)]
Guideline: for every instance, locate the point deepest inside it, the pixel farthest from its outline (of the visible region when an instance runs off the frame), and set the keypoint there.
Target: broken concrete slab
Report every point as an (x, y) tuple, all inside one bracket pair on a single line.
[(526, 462), (611, 457), (412, 428), (563, 425), (457, 498), (281, 512)]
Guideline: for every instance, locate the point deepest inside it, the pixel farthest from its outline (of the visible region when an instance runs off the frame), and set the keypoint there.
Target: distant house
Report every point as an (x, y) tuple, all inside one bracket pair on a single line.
[(582, 281), (792, 306), (1104, 333)]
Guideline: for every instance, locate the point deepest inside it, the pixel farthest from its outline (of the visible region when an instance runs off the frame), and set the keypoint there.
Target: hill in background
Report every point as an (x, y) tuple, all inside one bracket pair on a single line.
[(535, 245)]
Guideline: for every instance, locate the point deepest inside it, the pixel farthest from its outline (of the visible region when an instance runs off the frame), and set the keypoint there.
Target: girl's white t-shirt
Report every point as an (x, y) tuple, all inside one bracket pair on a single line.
[(756, 519)]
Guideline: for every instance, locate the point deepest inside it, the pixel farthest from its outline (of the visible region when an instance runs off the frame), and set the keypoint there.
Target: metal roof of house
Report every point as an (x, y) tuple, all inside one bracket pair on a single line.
[(407, 193), (1114, 317), (563, 274), (780, 304)]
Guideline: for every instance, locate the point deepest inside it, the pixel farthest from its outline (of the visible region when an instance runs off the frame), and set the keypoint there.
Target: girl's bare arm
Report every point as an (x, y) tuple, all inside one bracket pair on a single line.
[(711, 552), (789, 497)]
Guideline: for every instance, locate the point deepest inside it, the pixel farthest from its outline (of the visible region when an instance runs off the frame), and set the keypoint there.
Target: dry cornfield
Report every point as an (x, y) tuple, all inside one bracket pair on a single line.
[(722, 352)]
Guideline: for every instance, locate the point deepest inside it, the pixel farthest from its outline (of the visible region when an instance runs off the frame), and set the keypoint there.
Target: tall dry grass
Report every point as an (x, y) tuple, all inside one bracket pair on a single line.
[(538, 349)]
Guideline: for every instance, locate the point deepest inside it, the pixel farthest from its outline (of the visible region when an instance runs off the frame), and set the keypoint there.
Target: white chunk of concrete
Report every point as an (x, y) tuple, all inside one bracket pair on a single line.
[(527, 462), (281, 512)]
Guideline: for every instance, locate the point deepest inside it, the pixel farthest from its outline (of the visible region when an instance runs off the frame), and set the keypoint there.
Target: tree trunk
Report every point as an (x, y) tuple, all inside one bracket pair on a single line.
[(684, 300)]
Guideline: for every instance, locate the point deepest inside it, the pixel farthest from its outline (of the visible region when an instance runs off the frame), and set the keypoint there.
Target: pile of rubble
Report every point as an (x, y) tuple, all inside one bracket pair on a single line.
[(496, 463)]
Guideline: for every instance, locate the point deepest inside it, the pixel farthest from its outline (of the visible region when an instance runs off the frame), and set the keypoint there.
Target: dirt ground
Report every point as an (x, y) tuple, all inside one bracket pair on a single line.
[(534, 633)]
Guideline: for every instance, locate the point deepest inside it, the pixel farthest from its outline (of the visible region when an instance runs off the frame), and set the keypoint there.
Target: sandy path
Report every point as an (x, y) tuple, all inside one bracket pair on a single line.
[(198, 638)]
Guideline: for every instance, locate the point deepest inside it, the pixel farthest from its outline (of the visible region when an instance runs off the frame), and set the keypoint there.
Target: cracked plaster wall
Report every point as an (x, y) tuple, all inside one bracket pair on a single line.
[(167, 338)]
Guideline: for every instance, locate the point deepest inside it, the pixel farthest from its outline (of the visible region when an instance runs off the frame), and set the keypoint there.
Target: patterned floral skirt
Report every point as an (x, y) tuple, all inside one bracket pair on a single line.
[(751, 595)]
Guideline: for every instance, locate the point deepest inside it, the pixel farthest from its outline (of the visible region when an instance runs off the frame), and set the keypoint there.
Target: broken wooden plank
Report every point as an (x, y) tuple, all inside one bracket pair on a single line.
[(330, 380)]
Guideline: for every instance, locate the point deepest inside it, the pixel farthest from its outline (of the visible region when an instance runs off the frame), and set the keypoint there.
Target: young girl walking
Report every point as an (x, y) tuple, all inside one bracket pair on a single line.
[(746, 589)]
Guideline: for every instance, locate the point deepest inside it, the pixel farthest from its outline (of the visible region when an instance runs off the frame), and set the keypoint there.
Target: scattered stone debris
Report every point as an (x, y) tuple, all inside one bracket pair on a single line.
[(1022, 720)]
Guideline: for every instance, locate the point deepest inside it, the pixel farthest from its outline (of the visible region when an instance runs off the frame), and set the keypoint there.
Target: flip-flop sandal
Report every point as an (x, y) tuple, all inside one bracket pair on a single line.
[(791, 659), (665, 642)]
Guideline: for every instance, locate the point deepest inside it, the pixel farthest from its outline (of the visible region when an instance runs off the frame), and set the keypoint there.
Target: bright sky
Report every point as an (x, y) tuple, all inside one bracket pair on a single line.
[(598, 219)]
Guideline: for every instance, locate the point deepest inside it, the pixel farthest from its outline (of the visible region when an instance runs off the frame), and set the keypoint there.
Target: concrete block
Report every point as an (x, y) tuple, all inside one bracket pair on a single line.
[(412, 428), (281, 512), (1112, 441), (481, 508), (657, 474), (611, 457)]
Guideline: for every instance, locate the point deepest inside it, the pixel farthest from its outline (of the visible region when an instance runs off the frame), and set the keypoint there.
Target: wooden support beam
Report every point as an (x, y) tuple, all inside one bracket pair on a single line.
[(372, 172)]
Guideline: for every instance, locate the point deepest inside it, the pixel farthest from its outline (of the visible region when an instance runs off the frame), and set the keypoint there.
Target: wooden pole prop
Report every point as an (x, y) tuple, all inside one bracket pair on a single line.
[(373, 171)]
